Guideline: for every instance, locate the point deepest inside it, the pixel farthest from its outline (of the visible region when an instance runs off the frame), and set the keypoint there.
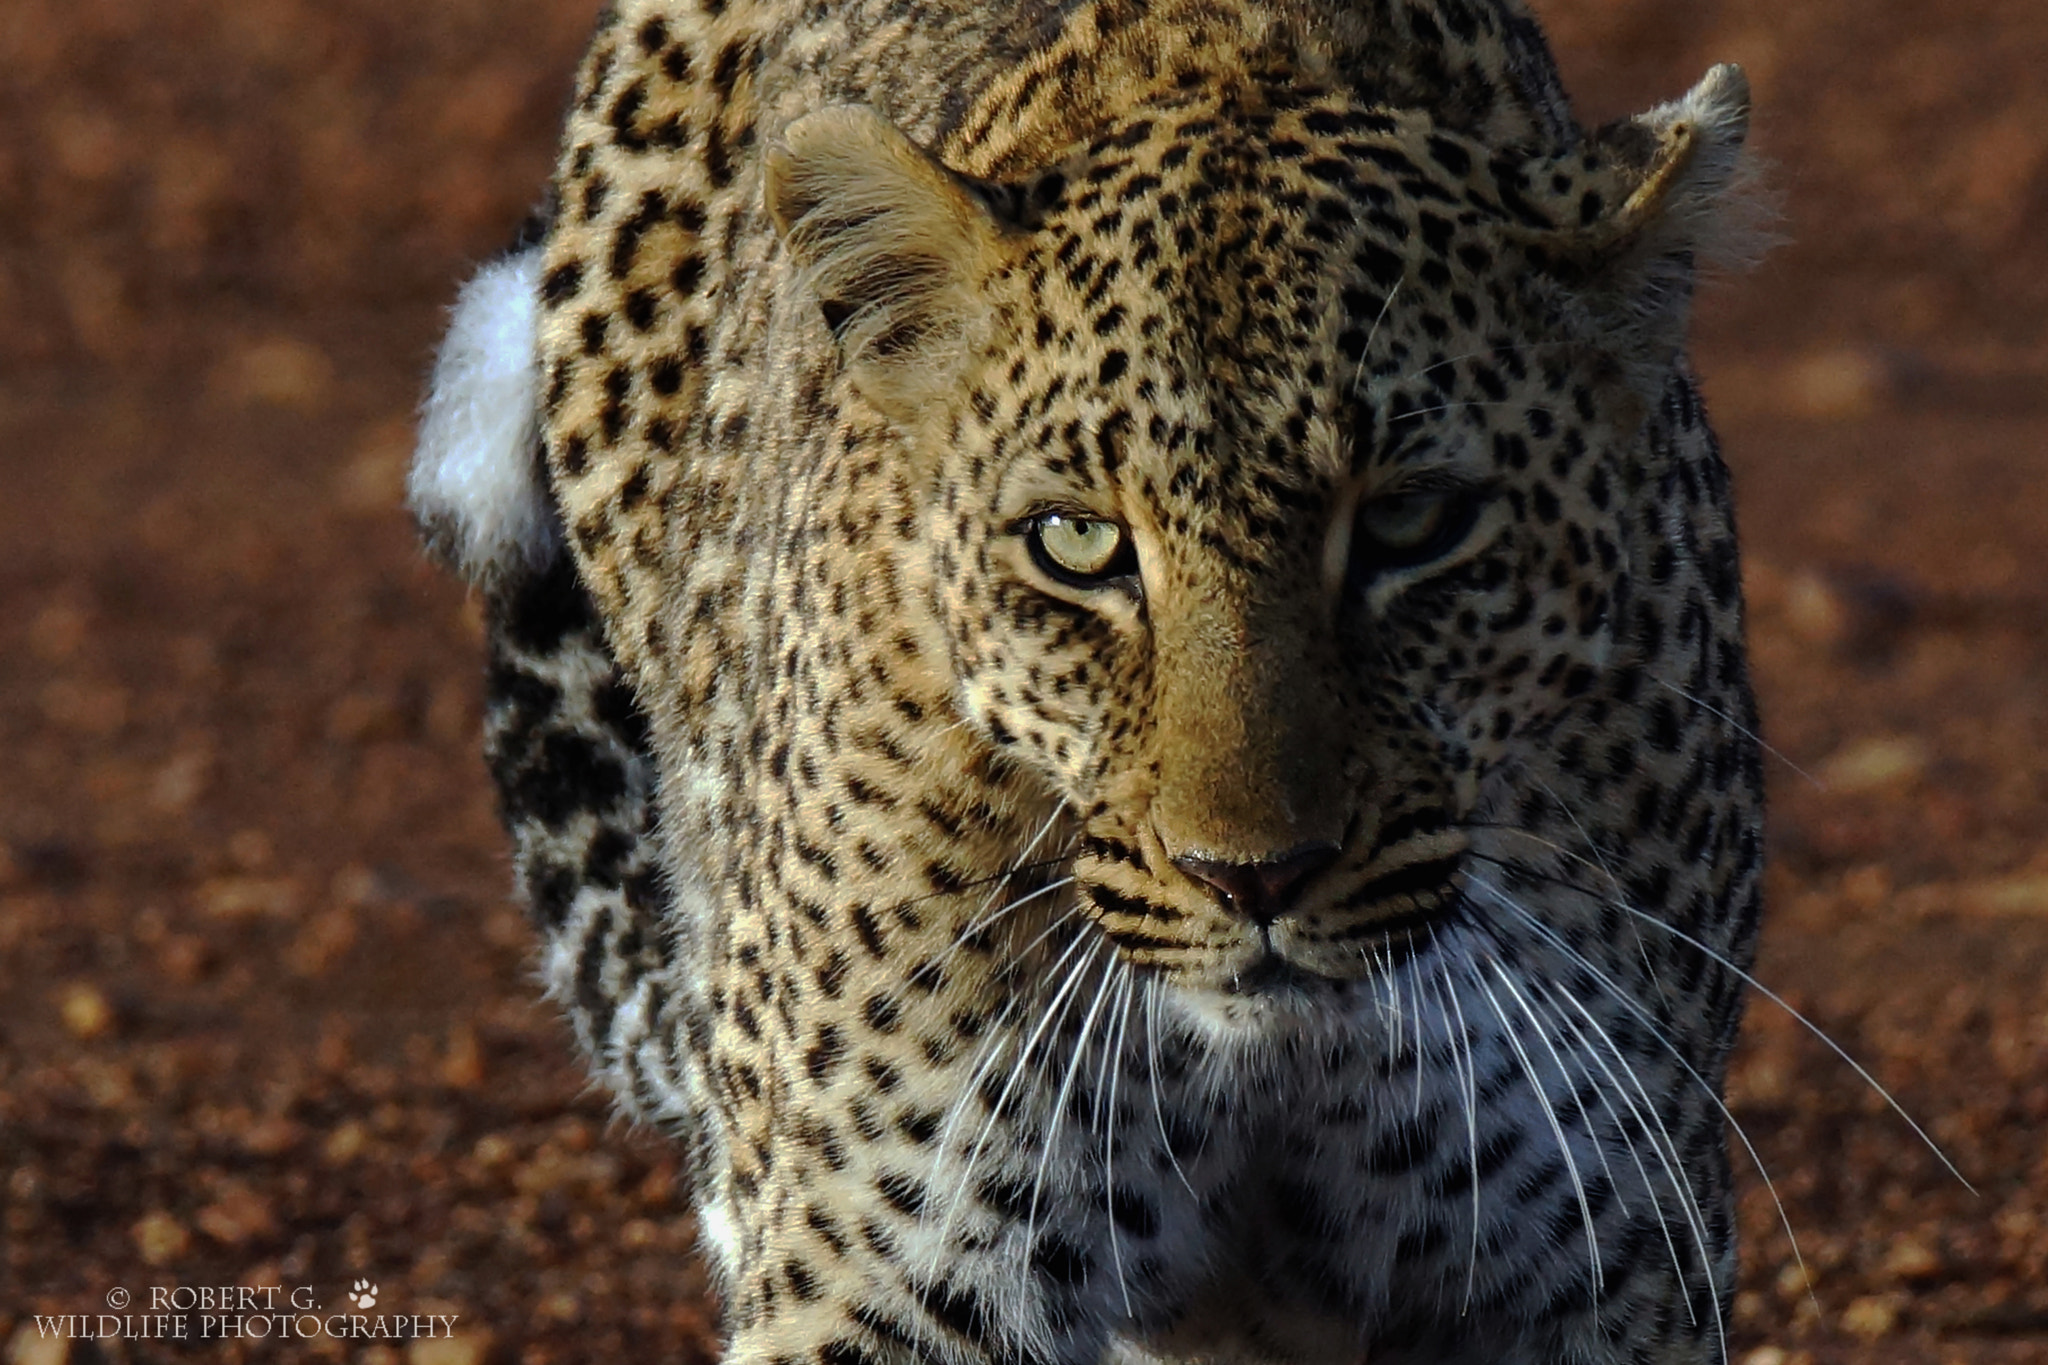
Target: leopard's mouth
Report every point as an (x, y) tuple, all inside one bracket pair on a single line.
[(1286, 962), (1346, 933), (1351, 957)]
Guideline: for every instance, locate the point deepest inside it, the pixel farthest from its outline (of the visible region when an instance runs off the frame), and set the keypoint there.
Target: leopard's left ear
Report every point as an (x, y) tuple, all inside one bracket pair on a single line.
[(894, 247), (1650, 201)]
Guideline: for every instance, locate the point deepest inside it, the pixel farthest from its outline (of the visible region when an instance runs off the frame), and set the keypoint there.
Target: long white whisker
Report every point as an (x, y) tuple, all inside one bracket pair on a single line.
[(996, 916), (1018, 1066), (1462, 1047), (1421, 1038), (1642, 950), (1459, 406), (956, 1112), (1066, 917), (1116, 1068), (1390, 1010), (1684, 1194), (1564, 1073), (1564, 1148), (1767, 993), (1742, 730), (1372, 333), (1749, 979), (1152, 1070), (1055, 1008), (1491, 352), (1668, 1154), (1023, 858), (1066, 1090), (1643, 1016)]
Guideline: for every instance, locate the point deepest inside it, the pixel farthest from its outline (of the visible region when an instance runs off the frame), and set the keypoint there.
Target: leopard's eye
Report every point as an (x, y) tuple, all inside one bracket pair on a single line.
[(1083, 552), (1407, 529), (1403, 524)]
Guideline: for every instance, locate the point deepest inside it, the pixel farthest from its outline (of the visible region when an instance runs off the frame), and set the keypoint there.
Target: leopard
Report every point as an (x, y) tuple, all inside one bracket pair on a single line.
[(1116, 671)]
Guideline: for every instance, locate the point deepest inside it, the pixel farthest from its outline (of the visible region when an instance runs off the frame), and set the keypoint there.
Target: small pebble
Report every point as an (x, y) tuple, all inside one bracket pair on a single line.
[(345, 1143), (1910, 1259), (31, 1347), (1872, 765), (161, 1239), (86, 1012), (464, 1348), (462, 1066), (1871, 1317), (249, 897)]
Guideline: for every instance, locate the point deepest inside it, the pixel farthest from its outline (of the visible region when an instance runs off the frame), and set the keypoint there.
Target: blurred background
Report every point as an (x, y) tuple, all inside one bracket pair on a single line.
[(266, 1016)]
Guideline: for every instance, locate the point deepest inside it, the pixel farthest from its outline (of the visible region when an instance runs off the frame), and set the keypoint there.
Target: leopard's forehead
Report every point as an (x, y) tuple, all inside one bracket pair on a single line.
[(1256, 305)]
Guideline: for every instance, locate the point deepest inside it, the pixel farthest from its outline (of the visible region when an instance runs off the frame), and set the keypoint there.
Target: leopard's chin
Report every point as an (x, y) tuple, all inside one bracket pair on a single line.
[(1369, 951)]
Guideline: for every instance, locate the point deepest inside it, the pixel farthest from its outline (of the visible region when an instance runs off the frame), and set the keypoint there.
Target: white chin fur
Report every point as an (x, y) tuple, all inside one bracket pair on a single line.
[(476, 484)]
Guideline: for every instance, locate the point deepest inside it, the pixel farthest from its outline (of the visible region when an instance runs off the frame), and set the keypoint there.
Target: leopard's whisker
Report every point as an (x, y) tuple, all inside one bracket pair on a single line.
[(1023, 859), (1053, 1008), (1152, 1073), (1372, 333), (1462, 1046), (1745, 731), (1656, 1031), (1115, 1064), (1548, 1038), (1462, 405), (1421, 1036), (1681, 1181), (1059, 1105), (1001, 913), (1551, 1036), (1642, 949), (1557, 1132), (1491, 352), (1688, 1206), (1749, 979), (1383, 977), (993, 878), (956, 1112)]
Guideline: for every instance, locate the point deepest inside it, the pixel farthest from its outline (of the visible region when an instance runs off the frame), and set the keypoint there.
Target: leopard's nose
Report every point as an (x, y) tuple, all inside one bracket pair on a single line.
[(1262, 891)]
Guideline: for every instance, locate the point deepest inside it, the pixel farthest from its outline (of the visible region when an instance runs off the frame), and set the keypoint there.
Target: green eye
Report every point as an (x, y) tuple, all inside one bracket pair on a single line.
[(1409, 529), (1084, 552)]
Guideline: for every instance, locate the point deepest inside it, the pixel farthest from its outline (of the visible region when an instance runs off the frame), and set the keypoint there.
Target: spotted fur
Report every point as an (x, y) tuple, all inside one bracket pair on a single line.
[(1301, 945)]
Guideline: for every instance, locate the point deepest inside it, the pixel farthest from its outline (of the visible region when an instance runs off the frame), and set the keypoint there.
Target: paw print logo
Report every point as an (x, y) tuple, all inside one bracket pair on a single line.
[(364, 1295)]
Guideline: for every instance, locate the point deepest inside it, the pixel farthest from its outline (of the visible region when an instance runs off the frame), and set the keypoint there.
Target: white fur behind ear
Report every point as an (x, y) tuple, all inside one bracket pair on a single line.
[(476, 483)]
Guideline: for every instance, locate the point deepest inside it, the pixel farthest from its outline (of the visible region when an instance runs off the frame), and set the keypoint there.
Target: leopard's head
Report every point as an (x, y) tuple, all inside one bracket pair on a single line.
[(1287, 482)]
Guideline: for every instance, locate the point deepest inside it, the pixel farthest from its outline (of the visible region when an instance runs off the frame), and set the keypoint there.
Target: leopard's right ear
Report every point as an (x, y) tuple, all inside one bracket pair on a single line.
[(893, 245)]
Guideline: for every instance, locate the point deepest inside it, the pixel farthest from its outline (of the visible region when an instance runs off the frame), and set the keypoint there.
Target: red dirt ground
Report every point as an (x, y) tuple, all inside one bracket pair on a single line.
[(266, 1018)]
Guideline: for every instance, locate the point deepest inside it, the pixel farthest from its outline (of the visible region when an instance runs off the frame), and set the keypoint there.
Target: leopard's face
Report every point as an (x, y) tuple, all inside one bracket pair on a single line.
[(1278, 522), (1288, 493)]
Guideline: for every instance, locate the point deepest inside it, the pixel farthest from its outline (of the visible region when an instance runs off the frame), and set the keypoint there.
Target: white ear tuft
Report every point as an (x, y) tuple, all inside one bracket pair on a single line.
[(1639, 212), (1700, 188), (476, 484)]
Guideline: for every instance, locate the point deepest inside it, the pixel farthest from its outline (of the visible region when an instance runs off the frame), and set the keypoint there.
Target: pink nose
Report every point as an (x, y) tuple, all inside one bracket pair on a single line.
[(1260, 892)]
